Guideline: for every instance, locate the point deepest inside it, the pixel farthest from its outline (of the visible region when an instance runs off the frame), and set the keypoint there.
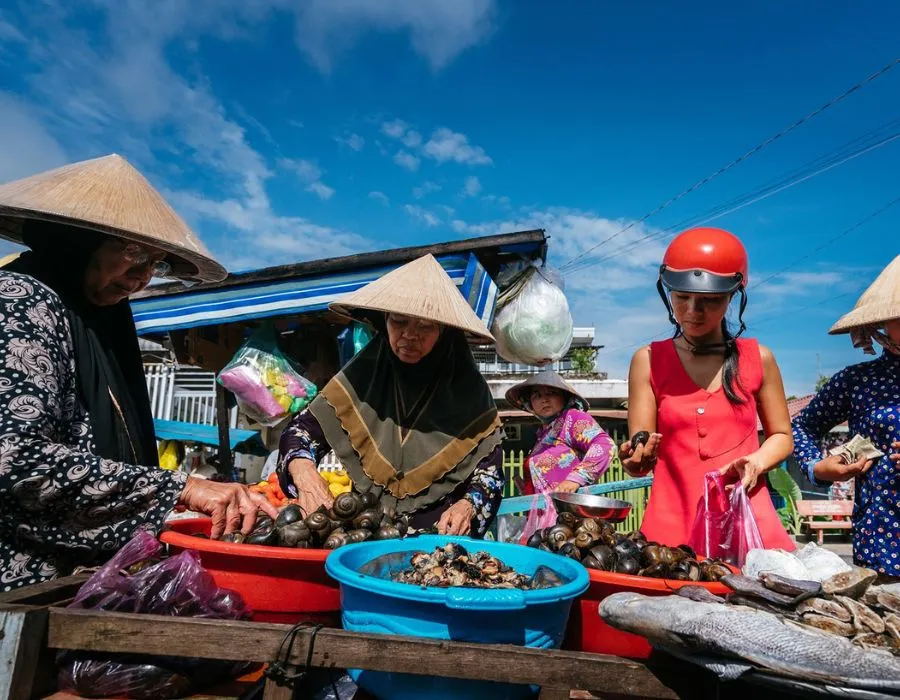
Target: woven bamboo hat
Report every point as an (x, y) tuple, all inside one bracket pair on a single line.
[(420, 288), (520, 395), (879, 303), (109, 196)]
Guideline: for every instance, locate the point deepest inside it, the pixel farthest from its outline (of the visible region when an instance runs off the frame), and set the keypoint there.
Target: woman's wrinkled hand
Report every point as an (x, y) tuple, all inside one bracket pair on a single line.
[(232, 507), (640, 460), (457, 519), (748, 469), (568, 487), (833, 468), (312, 489)]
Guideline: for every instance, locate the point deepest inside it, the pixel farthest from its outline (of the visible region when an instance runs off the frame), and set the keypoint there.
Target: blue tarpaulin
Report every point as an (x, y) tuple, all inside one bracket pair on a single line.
[(207, 434)]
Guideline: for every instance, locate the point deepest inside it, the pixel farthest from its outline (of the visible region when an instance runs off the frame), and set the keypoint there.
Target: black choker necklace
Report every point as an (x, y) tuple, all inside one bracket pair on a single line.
[(710, 349)]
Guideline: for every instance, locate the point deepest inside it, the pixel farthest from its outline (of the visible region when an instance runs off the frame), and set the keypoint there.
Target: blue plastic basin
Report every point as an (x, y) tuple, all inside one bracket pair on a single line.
[(501, 616)]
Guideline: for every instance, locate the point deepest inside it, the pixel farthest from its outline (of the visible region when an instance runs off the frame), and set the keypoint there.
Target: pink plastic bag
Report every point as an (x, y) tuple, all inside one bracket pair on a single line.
[(725, 527), (136, 581), (539, 518)]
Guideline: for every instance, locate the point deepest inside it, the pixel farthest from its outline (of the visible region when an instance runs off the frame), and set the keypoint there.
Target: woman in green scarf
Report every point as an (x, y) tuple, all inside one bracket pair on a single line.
[(410, 417)]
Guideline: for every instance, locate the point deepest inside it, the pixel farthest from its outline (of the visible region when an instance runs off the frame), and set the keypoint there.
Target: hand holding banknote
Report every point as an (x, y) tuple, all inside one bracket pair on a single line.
[(848, 461)]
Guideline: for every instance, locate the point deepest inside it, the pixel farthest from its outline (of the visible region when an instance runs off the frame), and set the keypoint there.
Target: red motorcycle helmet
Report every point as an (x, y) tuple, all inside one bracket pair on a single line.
[(705, 260)]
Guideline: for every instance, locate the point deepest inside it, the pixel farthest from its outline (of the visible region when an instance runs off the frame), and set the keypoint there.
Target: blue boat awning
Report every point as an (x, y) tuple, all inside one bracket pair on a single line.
[(206, 434), (293, 296)]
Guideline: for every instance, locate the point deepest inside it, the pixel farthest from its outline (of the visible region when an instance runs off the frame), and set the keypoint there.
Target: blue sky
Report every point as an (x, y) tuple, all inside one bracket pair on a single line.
[(293, 129)]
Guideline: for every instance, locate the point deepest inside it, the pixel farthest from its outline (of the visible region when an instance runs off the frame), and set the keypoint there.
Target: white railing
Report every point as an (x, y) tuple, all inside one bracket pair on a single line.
[(184, 394)]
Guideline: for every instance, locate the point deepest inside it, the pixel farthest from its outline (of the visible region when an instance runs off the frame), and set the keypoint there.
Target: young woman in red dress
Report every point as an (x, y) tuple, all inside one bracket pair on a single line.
[(699, 394)]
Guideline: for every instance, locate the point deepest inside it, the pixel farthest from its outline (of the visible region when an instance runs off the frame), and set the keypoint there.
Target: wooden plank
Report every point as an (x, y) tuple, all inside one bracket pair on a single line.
[(554, 694), (216, 639), (277, 692), (46, 593), (23, 634)]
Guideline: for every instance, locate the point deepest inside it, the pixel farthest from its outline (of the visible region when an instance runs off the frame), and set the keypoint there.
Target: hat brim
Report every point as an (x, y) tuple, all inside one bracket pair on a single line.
[(868, 315), (358, 312), (186, 264), (518, 395), (700, 282)]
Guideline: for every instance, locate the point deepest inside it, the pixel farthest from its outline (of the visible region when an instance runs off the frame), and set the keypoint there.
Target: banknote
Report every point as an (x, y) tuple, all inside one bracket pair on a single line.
[(857, 448)]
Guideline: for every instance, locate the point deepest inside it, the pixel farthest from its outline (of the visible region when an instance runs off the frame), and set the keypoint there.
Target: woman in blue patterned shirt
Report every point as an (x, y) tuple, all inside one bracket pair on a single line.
[(866, 395)]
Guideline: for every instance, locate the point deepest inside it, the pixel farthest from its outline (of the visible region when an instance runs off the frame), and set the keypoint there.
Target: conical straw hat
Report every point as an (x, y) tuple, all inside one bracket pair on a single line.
[(879, 303), (109, 196), (420, 288), (520, 394)]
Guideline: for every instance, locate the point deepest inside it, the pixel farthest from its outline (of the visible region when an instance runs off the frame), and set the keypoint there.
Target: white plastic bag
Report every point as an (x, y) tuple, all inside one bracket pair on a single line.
[(534, 326)]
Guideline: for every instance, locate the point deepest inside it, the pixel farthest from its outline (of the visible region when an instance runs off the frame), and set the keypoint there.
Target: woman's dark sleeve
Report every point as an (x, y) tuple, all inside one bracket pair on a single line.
[(486, 491), (302, 439)]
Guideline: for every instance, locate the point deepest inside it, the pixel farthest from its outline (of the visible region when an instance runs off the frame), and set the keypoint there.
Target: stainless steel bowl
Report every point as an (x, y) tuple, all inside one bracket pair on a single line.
[(586, 506)]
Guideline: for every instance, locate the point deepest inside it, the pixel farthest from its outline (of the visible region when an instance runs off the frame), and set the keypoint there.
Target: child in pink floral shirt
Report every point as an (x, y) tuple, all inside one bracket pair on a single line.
[(571, 449)]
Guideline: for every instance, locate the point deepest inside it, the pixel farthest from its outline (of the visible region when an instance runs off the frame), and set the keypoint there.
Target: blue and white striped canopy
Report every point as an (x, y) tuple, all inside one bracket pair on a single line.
[(295, 296)]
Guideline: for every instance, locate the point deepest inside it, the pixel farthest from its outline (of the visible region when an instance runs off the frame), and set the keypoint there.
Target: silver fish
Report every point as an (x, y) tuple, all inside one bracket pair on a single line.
[(758, 637)]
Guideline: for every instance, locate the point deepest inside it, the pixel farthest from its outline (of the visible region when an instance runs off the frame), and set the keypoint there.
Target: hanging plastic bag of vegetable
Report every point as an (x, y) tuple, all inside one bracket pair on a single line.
[(533, 324), (267, 385)]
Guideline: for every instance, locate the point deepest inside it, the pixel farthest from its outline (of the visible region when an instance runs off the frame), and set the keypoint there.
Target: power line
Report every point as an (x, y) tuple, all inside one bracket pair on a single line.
[(756, 149), (826, 162)]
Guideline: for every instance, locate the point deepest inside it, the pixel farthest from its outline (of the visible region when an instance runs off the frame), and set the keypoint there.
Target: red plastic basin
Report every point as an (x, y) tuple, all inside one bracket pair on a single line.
[(586, 631), (279, 584)]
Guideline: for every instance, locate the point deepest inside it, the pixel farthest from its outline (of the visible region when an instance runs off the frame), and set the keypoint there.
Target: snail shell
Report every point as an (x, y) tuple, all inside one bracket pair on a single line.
[(571, 551), (368, 500), (347, 505), (567, 519), (369, 519), (289, 514), (318, 522), (291, 535), (336, 539), (536, 539), (356, 536), (557, 536), (388, 532)]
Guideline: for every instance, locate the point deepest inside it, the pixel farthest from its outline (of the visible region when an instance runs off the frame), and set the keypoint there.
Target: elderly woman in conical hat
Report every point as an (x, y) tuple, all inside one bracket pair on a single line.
[(410, 417), (79, 470), (867, 396), (571, 450)]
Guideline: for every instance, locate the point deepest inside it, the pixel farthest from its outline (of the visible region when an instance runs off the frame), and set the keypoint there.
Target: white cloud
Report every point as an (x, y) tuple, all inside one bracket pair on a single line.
[(426, 217), (459, 226), (9, 33), (425, 189), (449, 211), (472, 186), (395, 129), (295, 123), (502, 200), (447, 145), (322, 191), (379, 197), (310, 173), (354, 142), (26, 145), (407, 160), (438, 30), (412, 139)]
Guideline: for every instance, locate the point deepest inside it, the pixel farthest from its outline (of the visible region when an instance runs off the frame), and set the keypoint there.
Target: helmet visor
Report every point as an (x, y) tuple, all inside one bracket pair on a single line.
[(700, 281)]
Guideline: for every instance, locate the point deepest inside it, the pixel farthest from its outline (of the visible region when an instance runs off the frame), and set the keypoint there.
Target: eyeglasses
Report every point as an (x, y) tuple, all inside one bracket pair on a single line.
[(139, 256)]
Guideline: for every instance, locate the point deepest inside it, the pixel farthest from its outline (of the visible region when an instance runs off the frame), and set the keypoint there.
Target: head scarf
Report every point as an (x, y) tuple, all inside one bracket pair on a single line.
[(108, 365), (410, 433), (864, 337)]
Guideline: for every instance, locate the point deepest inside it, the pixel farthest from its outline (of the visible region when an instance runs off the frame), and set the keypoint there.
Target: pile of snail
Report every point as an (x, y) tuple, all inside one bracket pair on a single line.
[(597, 545), (352, 518)]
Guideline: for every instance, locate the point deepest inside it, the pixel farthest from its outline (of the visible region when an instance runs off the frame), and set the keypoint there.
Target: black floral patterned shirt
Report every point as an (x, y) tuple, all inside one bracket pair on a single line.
[(61, 505)]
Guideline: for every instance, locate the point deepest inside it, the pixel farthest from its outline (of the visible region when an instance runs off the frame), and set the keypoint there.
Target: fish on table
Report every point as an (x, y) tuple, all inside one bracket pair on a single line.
[(686, 627)]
